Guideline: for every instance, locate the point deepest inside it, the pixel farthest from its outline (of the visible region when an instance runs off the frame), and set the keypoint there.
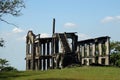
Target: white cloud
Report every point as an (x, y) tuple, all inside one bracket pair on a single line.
[(110, 19), (82, 36), (117, 17), (70, 25), (107, 19), (16, 34), (23, 38), (17, 30), (44, 35)]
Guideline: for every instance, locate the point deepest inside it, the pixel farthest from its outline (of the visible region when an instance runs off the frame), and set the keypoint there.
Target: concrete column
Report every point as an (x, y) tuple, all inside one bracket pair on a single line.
[(83, 51), (100, 48), (27, 64), (88, 50), (107, 44), (107, 60), (39, 49), (48, 53), (53, 64), (44, 49), (56, 45), (78, 52), (93, 52), (26, 49), (82, 61), (100, 53), (93, 49), (78, 48), (88, 63), (99, 60), (39, 64), (93, 60), (52, 46), (33, 56), (43, 57), (36, 64)]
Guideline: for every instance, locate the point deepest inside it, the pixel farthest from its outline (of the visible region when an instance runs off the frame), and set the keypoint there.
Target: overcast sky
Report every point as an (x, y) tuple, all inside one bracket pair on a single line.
[(89, 18)]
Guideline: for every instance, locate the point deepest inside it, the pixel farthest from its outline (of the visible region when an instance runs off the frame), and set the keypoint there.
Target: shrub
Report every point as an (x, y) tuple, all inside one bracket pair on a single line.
[(117, 63), (9, 68)]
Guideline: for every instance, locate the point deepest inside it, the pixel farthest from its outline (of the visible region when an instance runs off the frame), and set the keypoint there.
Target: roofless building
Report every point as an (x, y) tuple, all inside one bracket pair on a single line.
[(64, 49)]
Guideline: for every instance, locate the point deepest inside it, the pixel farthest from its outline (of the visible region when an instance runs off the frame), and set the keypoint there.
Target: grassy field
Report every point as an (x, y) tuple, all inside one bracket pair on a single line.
[(79, 73)]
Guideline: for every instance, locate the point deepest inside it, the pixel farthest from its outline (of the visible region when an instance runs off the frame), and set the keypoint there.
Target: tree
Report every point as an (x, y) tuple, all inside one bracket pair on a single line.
[(3, 63), (10, 7), (4, 66), (115, 53), (1, 42)]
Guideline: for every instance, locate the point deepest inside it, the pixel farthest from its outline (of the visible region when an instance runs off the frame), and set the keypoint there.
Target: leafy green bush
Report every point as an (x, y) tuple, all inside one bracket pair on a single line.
[(117, 63), (9, 68), (4, 66)]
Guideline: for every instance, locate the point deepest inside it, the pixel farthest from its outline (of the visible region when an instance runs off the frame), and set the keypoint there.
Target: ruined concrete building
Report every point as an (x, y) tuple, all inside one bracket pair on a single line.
[(64, 49)]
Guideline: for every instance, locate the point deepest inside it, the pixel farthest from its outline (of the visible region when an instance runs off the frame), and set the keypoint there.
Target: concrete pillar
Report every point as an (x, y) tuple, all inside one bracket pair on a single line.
[(82, 61), (36, 64), (107, 60), (78, 52), (44, 49), (52, 52), (43, 57), (48, 53), (88, 63), (52, 46), (56, 45), (27, 49), (40, 50), (83, 51), (93, 49), (33, 56), (27, 65), (100, 53), (107, 44), (53, 64), (93, 52), (37, 50), (99, 60), (88, 50), (93, 60), (39, 64), (100, 48)]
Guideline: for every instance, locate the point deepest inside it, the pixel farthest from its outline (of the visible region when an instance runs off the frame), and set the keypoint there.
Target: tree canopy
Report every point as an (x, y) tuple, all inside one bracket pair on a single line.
[(10, 7), (115, 53), (1, 42), (4, 66)]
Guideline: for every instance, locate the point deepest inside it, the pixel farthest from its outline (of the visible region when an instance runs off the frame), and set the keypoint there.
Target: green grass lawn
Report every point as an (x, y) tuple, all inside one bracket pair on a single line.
[(79, 73)]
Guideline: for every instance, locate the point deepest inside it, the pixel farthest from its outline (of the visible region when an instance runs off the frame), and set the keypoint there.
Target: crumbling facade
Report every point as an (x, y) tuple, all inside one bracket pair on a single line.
[(94, 51), (64, 49)]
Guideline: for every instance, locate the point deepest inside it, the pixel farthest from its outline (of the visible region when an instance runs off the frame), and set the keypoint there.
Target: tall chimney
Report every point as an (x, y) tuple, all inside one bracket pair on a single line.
[(53, 25)]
